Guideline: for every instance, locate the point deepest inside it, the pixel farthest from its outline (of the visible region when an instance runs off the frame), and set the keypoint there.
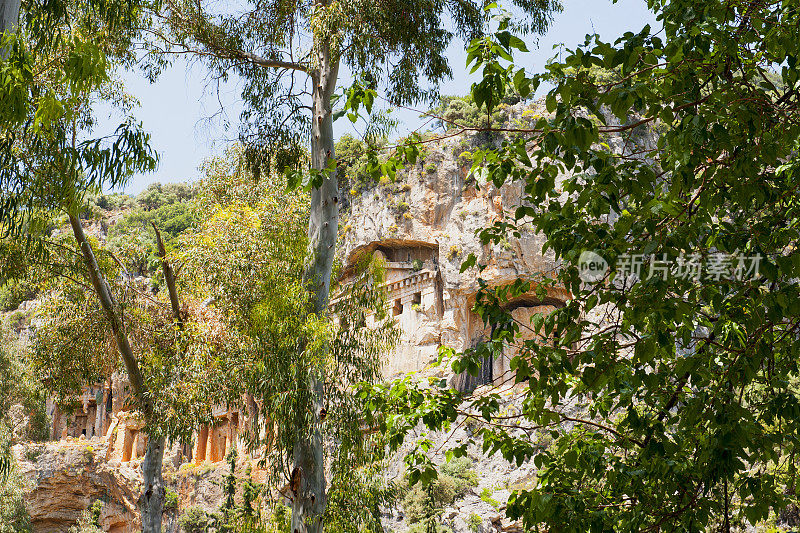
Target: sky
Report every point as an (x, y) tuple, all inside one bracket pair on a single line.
[(190, 121)]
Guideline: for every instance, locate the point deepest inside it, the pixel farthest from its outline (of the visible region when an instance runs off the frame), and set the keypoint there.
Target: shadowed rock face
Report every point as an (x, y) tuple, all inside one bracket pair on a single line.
[(424, 225)]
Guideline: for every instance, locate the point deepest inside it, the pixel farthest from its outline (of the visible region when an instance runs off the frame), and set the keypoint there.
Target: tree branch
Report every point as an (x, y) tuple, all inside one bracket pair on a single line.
[(169, 277)]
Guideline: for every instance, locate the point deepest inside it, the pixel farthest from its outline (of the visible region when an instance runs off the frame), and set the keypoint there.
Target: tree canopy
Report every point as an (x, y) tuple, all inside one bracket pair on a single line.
[(247, 257), (57, 62), (679, 172)]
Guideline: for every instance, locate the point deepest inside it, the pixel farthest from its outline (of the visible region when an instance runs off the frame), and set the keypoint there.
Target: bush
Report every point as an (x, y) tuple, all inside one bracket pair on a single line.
[(194, 520), (486, 497), (19, 386), (157, 195), (351, 157), (455, 479), (110, 202), (454, 252), (95, 510), (171, 500), (474, 521), (134, 240), (14, 517), (461, 111), (86, 523), (461, 469), (14, 292)]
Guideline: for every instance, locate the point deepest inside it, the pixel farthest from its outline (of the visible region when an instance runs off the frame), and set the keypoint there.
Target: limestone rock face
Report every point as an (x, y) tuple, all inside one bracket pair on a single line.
[(425, 224), (66, 477)]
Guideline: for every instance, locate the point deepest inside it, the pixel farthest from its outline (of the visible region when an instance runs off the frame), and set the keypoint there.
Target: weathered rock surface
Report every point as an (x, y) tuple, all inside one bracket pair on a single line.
[(65, 477), (425, 224)]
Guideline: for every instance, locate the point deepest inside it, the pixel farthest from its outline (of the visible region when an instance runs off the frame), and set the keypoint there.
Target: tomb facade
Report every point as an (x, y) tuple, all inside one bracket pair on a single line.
[(424, 245)]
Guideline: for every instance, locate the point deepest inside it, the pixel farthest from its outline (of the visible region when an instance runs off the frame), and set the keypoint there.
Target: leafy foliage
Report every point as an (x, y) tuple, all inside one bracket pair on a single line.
[(74, 346), (18, 385), (59, 59), (426, 503), (690, 379), (133, 238), (14, 517), (88, 520), (157, 195), (460, 112), (352, 157), (405, 54), (14, 292), (366, 486), (194, 520)]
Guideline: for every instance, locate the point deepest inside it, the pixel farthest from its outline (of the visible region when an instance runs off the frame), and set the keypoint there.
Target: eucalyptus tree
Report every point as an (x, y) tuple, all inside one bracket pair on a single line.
[(175, 344), (288, 56), (58, 60), (679, 173), (247, 257)]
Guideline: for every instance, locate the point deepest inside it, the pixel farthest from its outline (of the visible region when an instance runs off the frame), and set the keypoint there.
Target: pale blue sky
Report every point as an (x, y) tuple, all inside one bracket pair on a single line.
[(190, 122)]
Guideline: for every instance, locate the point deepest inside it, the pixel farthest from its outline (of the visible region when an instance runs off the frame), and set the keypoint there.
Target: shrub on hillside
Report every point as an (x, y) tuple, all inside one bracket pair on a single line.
[(14, 292), (133, 239), (455, 479), (14, 517), (157, 195), (194, 520)]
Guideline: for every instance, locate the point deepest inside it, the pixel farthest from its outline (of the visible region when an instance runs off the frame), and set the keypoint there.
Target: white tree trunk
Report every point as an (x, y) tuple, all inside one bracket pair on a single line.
[(308, 483), (9, 15)]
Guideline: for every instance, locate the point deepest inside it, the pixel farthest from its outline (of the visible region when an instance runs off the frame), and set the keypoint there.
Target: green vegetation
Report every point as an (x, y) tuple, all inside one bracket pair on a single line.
[(486, 496), (171, 500), (86, 524), (690, 384), (14, 292), (248, 254), (456, 112), (157, 195), (19, 385), (14, 517), (474, 521), (195, 520), (424, 505), (352, 161), (133, 239)]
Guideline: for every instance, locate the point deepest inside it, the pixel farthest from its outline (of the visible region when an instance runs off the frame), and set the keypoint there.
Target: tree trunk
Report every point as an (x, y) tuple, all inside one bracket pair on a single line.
[(9, 15), (112, 313), (169, 278), (151, 502), (308, 476)]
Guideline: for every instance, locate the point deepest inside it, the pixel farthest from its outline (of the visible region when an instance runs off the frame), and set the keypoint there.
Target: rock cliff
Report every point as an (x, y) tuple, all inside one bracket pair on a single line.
[(63, 478)]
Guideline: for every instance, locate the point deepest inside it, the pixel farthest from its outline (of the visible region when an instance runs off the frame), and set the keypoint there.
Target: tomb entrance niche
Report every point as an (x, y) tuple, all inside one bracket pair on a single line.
[(495, 366), (466, 382), (401, 257)]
